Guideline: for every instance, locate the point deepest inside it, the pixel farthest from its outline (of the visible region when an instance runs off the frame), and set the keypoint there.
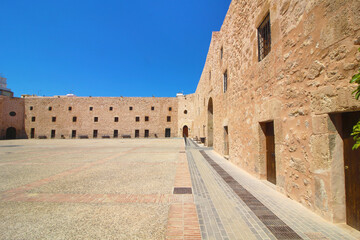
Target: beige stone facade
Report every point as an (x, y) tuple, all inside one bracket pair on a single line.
[(301, 88)]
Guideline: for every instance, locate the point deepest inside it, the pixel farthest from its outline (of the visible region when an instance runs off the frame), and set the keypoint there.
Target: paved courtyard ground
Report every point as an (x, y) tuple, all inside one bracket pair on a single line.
[(123, 189)]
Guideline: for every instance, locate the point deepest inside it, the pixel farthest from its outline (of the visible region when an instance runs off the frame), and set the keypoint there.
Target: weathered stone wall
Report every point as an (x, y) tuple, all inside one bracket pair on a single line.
[(303, 79), (186, 113), (80, 108), (16, 105)]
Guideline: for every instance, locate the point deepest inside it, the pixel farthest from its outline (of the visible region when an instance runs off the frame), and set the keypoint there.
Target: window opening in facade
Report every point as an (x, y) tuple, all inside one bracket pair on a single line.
[(50, 108), (70, 108), (96, 119), (91, 108), (152, 108), (116, 133), (31, 108), (221, 53), (111, 108), (12, 114), (167, 132), (137, 119), (137, 133), (116, 119), (53, 119), (146, 118), (146, 133), (168, 119), (73, 133), (130, 108), (264, 38), (33, 119), (95, 133), (74, 119)]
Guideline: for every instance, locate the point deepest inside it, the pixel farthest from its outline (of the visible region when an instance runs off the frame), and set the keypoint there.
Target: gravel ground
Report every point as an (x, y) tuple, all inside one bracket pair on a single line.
[(130, 167)]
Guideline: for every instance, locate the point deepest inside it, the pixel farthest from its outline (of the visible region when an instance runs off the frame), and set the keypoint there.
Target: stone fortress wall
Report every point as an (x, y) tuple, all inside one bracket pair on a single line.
[(300, 88), (297, 96), (112, 113)]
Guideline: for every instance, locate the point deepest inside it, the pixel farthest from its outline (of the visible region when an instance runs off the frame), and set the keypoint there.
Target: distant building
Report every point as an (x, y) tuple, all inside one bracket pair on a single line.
[(3, 90)]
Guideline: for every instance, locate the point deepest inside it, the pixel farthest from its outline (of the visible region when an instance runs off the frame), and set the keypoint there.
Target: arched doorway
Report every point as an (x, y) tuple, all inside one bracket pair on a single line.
[(210, 125), (185, 131), (11, 133)]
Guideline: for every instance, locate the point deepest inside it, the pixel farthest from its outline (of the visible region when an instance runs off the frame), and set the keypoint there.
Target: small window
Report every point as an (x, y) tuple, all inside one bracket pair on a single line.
[(146, 133), (50, 108), (168, 119), (53, 119), (137, 133), (70, 108), (33, 119), (32, 133), (264, 38), (111, 108), (95, 133), (130, 108), (137, 119), (73, 133), (170, 109), (221, 52), (74, 119), (91, 108), (116, 133), (96, 119), (152, 108), (225, 81), (31, 108), (53, 133), (116, 119), (146, 118), (12, 114), (185, 112)]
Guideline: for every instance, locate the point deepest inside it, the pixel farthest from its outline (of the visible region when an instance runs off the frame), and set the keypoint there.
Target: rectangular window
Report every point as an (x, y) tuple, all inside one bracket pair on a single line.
[(264, 38), (225, 81), (170, 108), (168, 119), (74, 119), (116, 119), (137, 133), (130, 108), (111, 108), (152, 108), (70, 108), (146, 118), (146, 133), (167, 132), (50, 108), (33, 119), (95, 133), (73, 133), (53, 133), (96, 119), (32, 133), (53, 119), (91, 108), (116, 133), (137, 119), (221, 52), (31, 108)]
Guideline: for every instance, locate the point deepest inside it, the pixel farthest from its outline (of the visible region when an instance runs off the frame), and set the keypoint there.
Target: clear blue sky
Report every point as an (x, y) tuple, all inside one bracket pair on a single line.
[(106, 47)]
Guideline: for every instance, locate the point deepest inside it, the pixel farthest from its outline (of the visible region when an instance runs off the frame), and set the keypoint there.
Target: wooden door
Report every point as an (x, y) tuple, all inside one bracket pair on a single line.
[(352, 170), (185, 131), (270, 153)]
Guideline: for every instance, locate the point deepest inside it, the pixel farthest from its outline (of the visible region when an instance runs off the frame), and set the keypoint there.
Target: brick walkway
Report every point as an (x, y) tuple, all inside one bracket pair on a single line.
[(231, 204)]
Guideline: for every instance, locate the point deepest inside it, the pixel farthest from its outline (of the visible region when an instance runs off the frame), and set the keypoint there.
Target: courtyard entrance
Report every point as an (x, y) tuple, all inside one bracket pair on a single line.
[(11, 133), (185, 131)]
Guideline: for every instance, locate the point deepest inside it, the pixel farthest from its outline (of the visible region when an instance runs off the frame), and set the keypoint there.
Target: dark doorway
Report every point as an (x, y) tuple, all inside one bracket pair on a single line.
[(226, 140), (11, 133), (53, 133), (32, 133), (116, 133), (137, 133), (73, 133), (167, 132), (95, 133), (344, 123), (146, 133), (268, 129), (210, 125), (185, 131)]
